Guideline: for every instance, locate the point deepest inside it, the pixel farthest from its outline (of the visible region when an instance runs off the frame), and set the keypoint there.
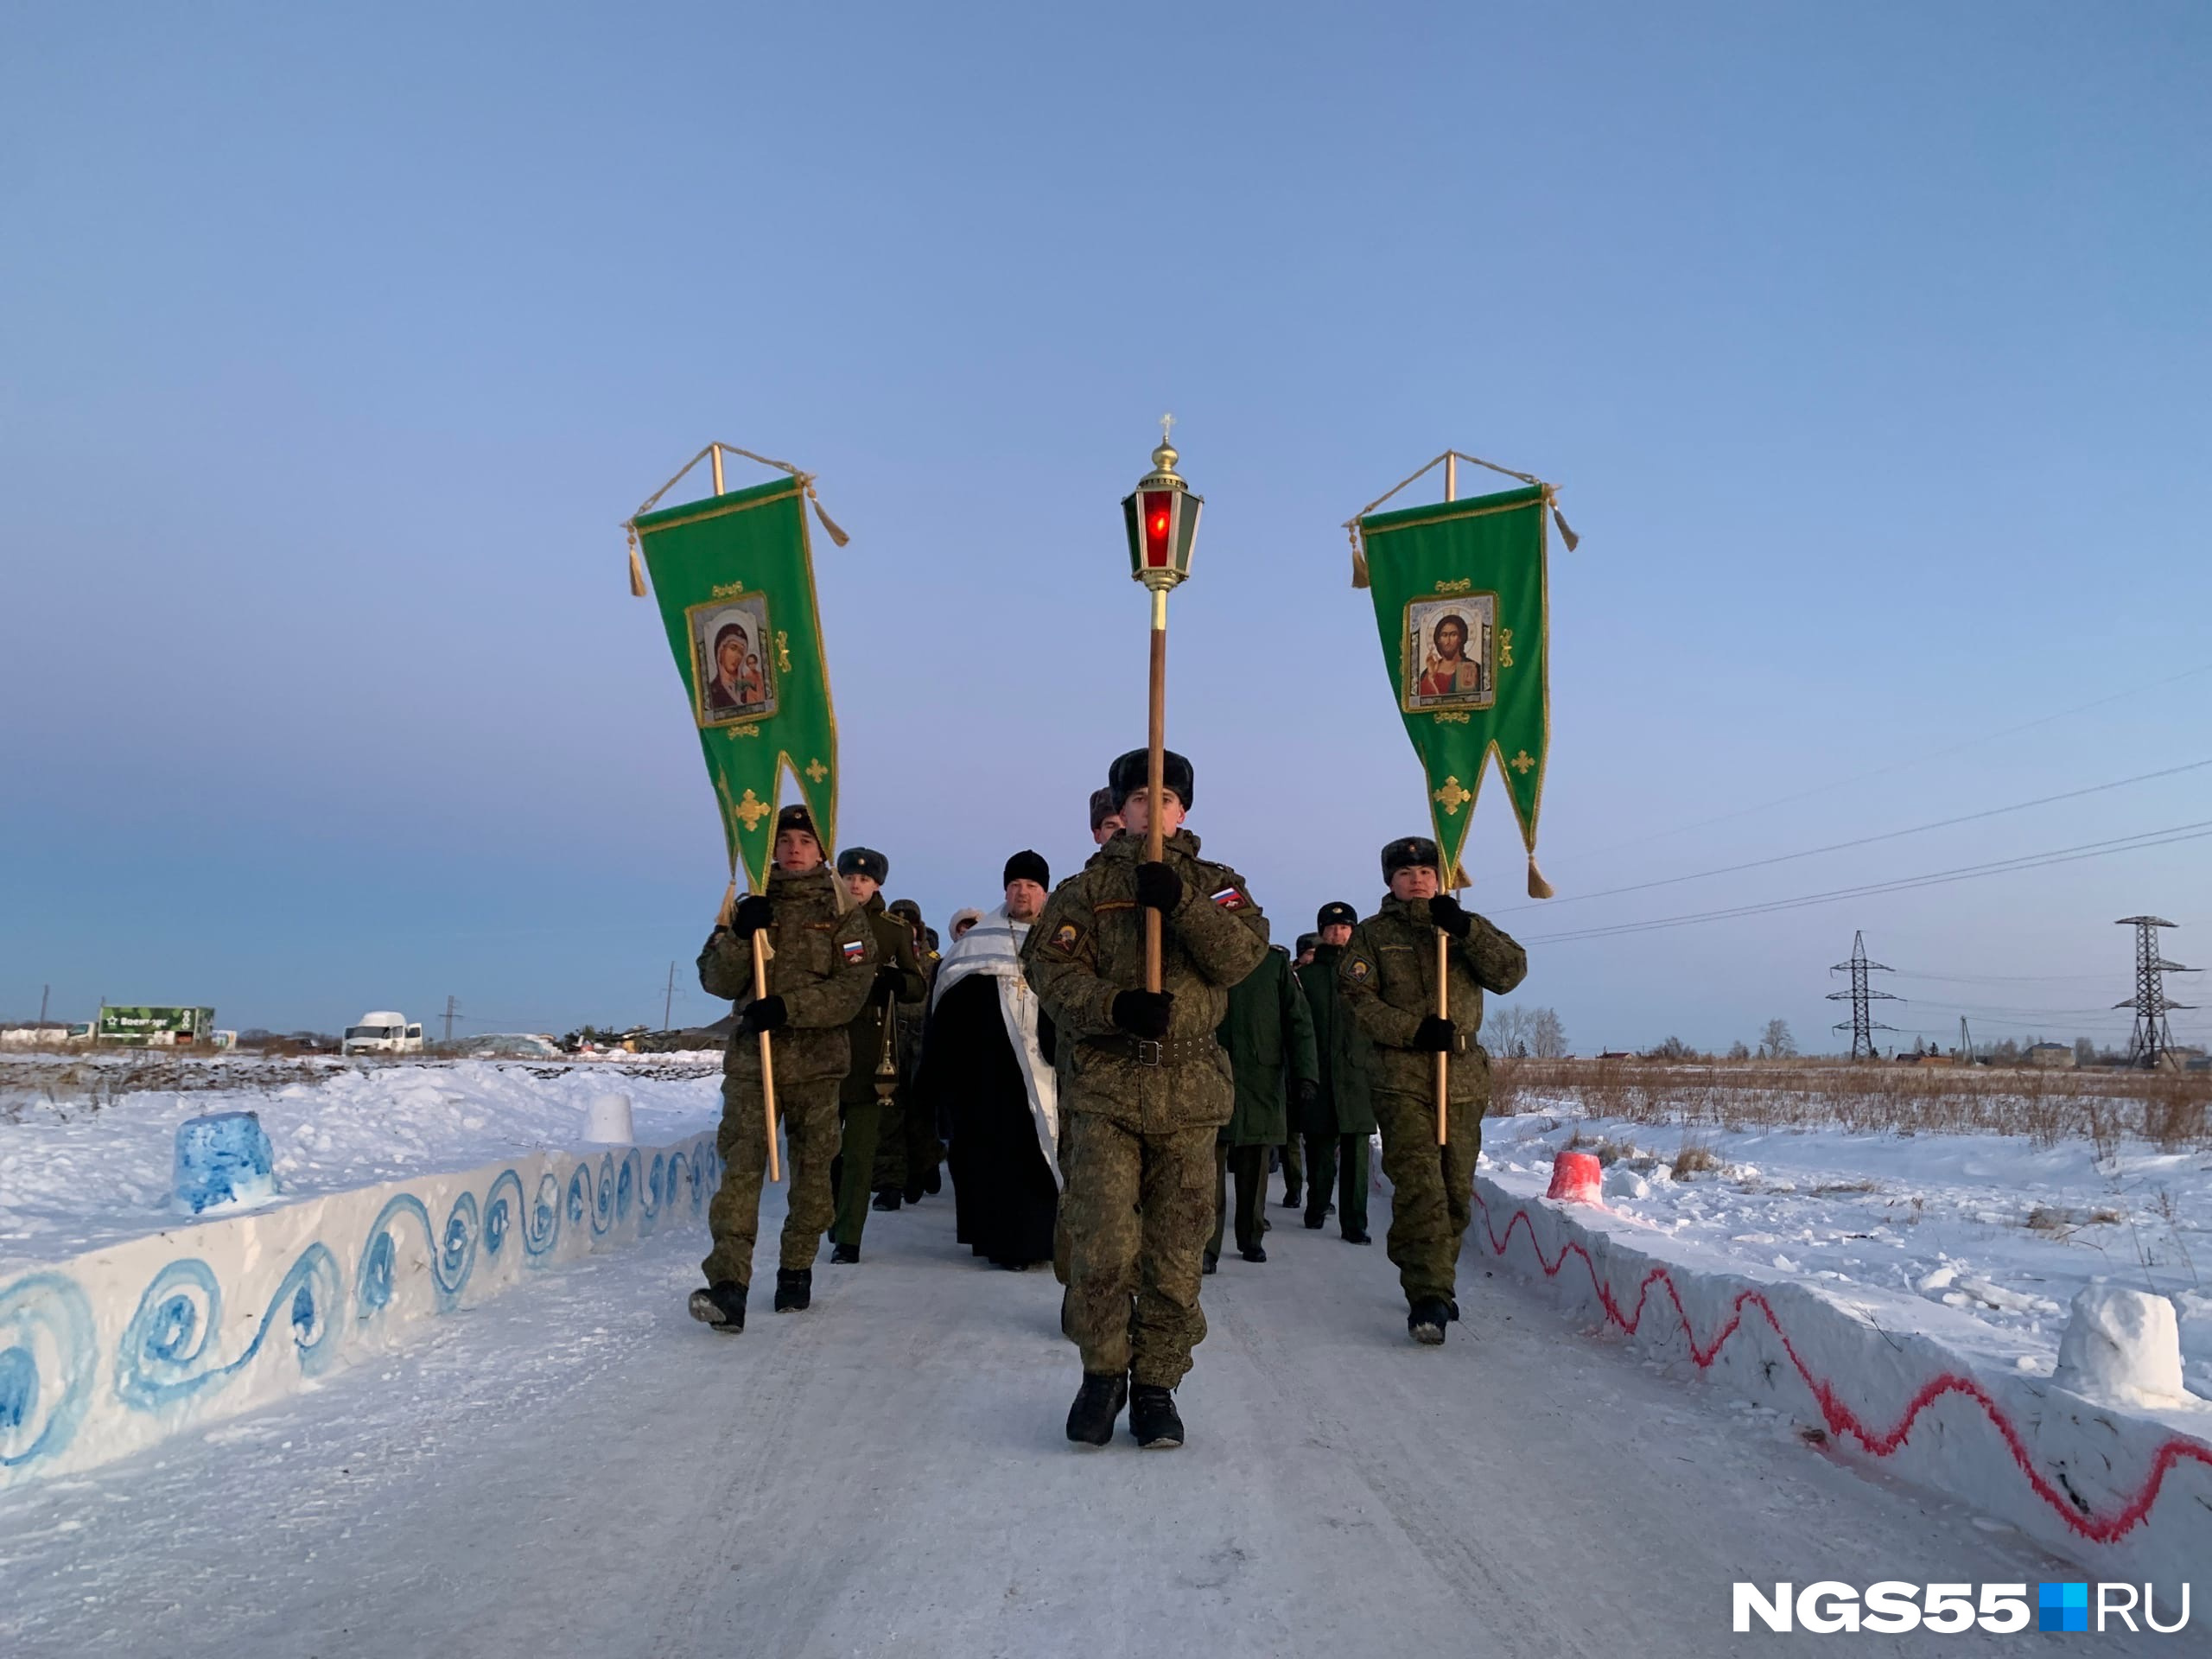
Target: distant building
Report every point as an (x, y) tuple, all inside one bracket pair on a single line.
[(2056, 1056)]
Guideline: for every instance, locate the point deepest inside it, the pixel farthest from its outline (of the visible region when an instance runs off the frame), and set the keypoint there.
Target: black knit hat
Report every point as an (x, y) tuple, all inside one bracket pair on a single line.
[(1336, 911), (1408, 852), (1133, 772), (1027, 865), (864, 861), (796, 816)]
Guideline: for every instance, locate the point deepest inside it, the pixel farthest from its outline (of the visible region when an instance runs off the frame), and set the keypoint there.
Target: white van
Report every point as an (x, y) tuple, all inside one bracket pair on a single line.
[(382, 1033)]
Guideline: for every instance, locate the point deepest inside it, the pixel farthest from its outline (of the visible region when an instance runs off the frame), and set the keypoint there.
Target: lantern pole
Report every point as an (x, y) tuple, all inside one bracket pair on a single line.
[(1444, 883)]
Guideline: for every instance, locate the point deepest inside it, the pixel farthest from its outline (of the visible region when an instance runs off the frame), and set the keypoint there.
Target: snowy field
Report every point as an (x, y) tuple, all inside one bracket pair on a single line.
[(1997, 1226), (83, 1164)]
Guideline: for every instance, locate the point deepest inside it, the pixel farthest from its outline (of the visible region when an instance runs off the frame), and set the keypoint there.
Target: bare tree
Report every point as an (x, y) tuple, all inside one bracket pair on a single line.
[(1506, 1030), (1547, 1035), (1775, 1042), (1738, 1050)]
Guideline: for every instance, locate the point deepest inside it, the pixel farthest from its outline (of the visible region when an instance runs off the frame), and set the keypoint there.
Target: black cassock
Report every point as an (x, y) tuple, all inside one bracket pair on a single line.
[(1005, 1197)]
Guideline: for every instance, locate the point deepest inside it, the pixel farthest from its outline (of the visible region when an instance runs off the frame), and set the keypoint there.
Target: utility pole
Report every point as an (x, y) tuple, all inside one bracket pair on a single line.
[(1965, 1043), (1863, 1024), (2149, 1043), (451, 1010), (668, 1002), (44, 991)]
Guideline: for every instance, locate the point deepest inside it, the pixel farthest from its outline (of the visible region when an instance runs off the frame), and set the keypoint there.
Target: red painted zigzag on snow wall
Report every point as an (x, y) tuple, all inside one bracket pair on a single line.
[(2088, 1480)]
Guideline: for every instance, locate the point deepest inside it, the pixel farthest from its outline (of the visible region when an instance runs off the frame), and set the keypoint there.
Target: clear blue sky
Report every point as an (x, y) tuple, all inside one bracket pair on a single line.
[(1871, 345)]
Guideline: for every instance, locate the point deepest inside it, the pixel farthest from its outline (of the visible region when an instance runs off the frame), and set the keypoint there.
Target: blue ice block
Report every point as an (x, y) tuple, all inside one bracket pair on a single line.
[(222, 1158)]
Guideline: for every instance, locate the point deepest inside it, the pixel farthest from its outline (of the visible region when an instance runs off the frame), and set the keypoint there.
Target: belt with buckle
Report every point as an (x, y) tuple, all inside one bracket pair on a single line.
[(1145, 1051)]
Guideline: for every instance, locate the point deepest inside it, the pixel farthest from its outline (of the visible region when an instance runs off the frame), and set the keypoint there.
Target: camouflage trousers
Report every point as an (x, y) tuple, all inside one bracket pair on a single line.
[(1139, 1209), (809, 1115), (1432, 1187)]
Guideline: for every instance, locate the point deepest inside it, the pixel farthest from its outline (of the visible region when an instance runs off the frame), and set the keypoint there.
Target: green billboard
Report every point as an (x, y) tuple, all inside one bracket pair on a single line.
[(155, 1027)]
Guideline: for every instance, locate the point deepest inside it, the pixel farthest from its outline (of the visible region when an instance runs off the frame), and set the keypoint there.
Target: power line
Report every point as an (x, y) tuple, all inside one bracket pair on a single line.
[(1862, 841), (2148, 838), (1900, 765)]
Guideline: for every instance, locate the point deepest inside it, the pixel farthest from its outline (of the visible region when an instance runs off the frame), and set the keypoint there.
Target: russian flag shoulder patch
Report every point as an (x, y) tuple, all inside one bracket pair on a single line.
[(1230, 898), (854, 949)]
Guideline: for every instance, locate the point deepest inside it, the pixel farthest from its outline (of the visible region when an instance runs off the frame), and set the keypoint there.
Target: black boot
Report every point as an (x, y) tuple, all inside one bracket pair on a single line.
[(720, 1306), (1314, 1218), (912, 1195), (1152, 1419), (794, 1290), (1213, 1264), (1352, 1235), (1426, 1320), (887, 1199), (1290, 1196), (1451, 1308), (1255, 1254), (844, 1255), (934, 1183), (1097, 1403)]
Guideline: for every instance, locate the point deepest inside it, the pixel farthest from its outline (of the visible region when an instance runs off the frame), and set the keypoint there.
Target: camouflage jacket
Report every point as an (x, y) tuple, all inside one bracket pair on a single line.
[(1389, 980), (1087, 947), (894, 946), (822, 962)]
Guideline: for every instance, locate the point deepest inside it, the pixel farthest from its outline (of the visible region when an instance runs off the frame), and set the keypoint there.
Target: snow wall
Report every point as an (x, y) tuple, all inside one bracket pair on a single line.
[(115, 1350), (2125, 1490)]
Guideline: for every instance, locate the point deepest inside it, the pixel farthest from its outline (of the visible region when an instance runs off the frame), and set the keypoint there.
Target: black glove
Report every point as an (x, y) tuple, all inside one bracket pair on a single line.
[(753, 913), (767, 1014), (1143, 1013), (1445, 911), (1306, 1094), (1437, 1035), (1159, 888)]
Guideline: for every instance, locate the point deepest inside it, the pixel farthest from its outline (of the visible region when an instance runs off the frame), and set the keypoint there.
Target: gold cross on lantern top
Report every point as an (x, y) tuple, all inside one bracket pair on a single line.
[(1166, 432)]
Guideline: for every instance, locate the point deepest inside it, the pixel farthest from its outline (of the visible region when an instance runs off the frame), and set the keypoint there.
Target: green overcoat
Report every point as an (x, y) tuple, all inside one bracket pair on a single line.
[(1267, 1033), (1344, 1106)]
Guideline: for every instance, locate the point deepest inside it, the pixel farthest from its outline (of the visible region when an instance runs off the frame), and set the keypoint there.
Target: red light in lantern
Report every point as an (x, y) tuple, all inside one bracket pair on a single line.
[(1159, 518)]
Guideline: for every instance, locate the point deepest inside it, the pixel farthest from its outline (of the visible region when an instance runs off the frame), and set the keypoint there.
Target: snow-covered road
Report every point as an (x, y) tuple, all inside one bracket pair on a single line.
[(577, 1468)]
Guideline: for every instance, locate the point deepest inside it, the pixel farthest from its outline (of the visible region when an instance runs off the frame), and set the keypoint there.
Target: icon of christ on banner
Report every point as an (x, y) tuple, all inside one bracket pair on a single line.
[(735, 653), (1448, 660)]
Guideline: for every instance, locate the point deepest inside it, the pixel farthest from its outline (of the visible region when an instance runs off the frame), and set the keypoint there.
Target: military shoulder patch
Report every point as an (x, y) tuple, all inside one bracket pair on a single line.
[(1065, 936), (1357, 968), (1229, 898), (856, 949)]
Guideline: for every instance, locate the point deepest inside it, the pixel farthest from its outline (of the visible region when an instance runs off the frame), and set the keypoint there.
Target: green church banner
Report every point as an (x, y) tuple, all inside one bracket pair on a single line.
[(734, 577), (1460, 604)]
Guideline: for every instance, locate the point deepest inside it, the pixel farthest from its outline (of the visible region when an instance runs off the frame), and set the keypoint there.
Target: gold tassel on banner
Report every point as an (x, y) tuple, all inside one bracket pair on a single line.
[(730, 904), (1538, 887), (1566, 534), (1358, 561), (828, 522), (637, 570)]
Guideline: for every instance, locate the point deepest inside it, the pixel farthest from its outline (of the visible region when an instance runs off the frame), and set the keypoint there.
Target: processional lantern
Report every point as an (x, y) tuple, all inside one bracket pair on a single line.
[(1162, 516), (1162, 519)]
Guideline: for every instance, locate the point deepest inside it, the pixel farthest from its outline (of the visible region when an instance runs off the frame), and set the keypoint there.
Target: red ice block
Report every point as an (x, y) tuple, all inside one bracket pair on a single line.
[(1577, 1177)]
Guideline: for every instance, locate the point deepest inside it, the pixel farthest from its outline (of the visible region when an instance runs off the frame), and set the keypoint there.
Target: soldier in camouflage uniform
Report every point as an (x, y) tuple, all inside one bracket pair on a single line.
[(821, 965), (1144, 1088), (864, 1115), (907, 1169), (1389, 980)]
